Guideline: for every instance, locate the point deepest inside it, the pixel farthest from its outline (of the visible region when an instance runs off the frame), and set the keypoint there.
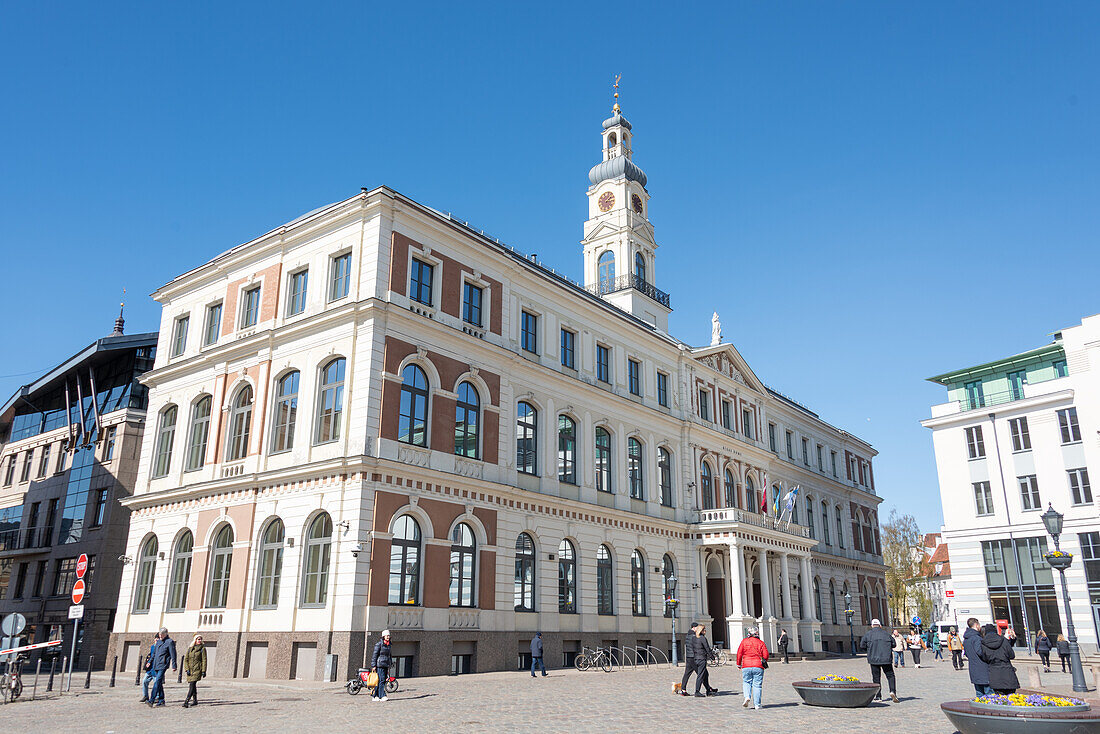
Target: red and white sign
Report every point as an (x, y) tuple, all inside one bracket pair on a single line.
[(78, 591), (81, 565), (35, 646), (950, 594)]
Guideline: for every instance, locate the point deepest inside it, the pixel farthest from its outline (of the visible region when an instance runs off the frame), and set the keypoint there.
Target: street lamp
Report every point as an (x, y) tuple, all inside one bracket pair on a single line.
[(1061, 561), (672, 602), (848, 613)]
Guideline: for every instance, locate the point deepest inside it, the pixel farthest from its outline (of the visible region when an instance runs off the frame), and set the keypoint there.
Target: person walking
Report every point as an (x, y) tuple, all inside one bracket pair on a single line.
[(979, 671), (955, 645), (937, 646), (536, 654), (147, 666), (1062, 646), (689, 658), (879, 644), (996, 651), (782, 644), (380, 662), (752, 658), (701, 654), (164, 654), (194, 667), (1043, 646), (899, 649), (916, 644)]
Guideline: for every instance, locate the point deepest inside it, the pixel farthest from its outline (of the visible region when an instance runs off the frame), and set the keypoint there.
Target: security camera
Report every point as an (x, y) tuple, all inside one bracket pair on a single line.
[(356, 550)]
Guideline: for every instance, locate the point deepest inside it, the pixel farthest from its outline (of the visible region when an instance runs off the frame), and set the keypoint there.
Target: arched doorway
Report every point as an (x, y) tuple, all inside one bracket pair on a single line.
[(716, 598), (757, 600)]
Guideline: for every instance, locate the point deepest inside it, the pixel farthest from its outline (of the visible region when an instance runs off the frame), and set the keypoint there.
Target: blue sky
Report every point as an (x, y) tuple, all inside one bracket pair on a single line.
[(867, 193)]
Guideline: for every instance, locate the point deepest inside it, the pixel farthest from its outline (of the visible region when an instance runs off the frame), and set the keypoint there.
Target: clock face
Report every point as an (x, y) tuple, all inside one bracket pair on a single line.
[(636, 202), (606, 201)]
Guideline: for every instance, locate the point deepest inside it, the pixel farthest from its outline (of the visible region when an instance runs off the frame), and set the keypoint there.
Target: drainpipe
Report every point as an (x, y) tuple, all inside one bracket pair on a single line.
[(1012, 543)]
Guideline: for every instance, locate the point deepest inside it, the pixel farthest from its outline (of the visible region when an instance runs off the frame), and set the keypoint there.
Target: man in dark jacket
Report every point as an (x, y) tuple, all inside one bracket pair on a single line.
[(996, 652), (380, 662), (783, 643), (689, 658), (879, 644), (164, 654), (701, 654), (536, 654), (979, 671)]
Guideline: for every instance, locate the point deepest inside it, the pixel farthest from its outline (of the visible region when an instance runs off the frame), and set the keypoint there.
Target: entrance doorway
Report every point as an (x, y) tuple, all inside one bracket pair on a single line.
[(716, 604)]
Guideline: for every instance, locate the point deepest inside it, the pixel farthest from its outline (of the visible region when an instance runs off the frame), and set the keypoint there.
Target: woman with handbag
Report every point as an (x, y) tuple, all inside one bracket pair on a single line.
[(380, 664), (752, 659), (194, 667)]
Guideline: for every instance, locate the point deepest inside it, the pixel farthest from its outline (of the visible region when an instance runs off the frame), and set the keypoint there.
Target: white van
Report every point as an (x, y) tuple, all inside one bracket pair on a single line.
[(943, 628)]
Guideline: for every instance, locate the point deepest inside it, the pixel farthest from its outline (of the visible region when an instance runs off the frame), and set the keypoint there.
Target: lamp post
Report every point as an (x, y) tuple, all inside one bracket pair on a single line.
[(848, 613), (1061, 561), (672, 602)]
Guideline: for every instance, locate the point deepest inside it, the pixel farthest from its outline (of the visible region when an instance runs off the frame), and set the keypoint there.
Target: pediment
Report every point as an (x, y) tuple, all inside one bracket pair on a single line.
[(725, 359)]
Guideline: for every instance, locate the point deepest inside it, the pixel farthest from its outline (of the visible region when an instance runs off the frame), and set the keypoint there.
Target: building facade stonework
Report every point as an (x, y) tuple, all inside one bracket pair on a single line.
[(386, 419)]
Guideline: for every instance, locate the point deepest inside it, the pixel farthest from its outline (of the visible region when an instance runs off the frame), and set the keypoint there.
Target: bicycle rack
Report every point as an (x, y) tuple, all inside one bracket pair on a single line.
[(650, 649)]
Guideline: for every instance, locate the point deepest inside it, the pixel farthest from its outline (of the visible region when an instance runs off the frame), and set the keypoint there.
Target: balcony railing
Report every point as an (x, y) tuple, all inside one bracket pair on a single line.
[(973, 402), (25, 539), (732, 514), (623, 282)]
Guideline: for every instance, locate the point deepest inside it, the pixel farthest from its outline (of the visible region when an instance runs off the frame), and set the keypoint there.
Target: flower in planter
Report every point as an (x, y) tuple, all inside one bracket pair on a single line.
[(1059, 554), (1031, 700), (834, 678)]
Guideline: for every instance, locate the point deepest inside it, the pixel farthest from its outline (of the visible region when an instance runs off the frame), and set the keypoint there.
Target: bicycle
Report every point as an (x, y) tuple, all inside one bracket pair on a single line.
[(718, 656), (589, 658), (11, 682)]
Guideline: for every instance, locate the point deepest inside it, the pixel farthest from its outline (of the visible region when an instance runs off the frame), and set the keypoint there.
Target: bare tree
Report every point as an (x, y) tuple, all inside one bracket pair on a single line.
[(901, 553)]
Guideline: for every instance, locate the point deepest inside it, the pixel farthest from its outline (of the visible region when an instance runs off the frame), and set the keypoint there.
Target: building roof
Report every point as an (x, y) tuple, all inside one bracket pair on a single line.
[(999, 365), (940, 555)]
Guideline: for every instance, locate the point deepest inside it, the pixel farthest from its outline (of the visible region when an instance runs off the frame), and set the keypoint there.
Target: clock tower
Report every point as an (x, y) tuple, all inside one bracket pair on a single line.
[(619, 247)]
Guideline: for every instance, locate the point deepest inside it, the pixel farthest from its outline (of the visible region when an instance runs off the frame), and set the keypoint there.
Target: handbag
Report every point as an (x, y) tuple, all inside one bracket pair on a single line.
[(149, 662), (372, 679), (763, 663)]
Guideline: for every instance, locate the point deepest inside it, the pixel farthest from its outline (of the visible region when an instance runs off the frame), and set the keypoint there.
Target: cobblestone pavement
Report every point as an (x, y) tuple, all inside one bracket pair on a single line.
[(566, 701)]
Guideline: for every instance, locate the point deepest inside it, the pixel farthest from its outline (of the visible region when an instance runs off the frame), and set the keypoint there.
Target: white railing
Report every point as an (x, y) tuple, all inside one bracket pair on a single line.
[(730, 515)]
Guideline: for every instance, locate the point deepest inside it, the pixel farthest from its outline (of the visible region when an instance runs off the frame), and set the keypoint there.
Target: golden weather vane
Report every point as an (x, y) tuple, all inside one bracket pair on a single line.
[(615, 86)]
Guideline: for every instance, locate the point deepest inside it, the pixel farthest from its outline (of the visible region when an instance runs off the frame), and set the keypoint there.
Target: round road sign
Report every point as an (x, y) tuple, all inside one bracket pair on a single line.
[(13, 624), (81, 565), (78, 591)]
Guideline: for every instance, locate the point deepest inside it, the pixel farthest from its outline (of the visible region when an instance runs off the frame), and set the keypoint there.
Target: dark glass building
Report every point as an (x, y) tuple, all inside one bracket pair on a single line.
[(69, 448)]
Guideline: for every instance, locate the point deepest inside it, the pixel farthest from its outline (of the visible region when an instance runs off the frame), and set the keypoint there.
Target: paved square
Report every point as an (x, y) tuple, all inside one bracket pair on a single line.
[(566, 701)]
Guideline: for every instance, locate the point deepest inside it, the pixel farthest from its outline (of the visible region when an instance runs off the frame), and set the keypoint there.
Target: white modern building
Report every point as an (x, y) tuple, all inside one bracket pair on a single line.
[(376, 416), (1016, 435)]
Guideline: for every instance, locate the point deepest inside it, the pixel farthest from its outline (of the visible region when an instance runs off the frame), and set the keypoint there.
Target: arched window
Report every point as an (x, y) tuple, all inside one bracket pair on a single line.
[(240, 425), (199, 434), (147, 568), (731, 490), (466, 421), (405, 562), (413, 419), (706, 486), (181, 573), (664, 472), (639, 266), (865, 613), (810, 520), (567, 449), (637, 584), (817, 600), (271, 565), (524, 592), (825, 521), (832, 600), (794, 511), (605, 582), (221, 562), (286, 412), (166, 436), (667, 571), (603, 460), (318, 553), (612, 140), (606, 270), (330, 407), (751, 503), (527, 438), (839, 527), (462, 566), (634, 461), (567, 578)]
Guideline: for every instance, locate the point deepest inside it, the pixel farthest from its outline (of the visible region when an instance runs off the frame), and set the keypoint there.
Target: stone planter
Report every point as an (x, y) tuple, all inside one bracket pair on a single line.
[(1060, 563), (975, 718), (836, 695)]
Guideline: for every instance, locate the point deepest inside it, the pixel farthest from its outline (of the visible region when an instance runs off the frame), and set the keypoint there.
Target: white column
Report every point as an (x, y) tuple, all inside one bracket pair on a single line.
[(737, 582), (810, 607), (765, 586), (785, 580)]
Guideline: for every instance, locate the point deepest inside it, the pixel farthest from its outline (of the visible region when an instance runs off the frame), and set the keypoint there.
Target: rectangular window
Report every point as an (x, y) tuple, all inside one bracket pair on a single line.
[(790, 445), (603, 363), (25, 474), (529, 332), (471, 304), (99, 511), (1090, 553), (975, 445), (250, 307), (179, 335), (420, 282), (771, 437), (820, 457), (983, 498), (44, 461), (806, 451), (296, 295), (1060, 369), (340, 280), (1029, 492), (662, 389), (51, 515), (213, 324), (568, 352), (747, 423), (975, 396), (1021, 439), (20, 581), (832, 459), (727, 420), (64, 575), (1079, 486), (9, 471), (39, 579), (1016, 382), (1067, 423), (634, 377), (109, 444), (704, 404)]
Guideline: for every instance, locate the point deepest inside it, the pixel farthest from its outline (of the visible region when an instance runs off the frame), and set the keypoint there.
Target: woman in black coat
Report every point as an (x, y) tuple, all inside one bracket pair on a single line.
[(1062, 646), (996, 652), (1042, 646)]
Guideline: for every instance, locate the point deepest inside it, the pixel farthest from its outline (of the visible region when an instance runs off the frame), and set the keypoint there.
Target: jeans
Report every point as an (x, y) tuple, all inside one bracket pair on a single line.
[(983, 689), (899, 658), (1063, 661), (752, 684), (689, 668), (156, 695), (537, 661), (145, 681), (876, 673), (916, 656), (957, 659), (939, 654), (1045, 658), (380, 689)]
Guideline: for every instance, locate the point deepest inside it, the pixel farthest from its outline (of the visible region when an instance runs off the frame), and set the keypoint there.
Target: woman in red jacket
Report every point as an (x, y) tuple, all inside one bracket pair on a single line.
[(752, 657)]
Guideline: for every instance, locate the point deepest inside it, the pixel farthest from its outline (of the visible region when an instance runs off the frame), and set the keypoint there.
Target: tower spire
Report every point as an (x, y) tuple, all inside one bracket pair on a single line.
[(615, 107), (120, 322)]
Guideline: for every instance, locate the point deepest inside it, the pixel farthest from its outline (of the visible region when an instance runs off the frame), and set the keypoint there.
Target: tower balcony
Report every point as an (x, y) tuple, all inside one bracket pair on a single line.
[(626, 282)]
